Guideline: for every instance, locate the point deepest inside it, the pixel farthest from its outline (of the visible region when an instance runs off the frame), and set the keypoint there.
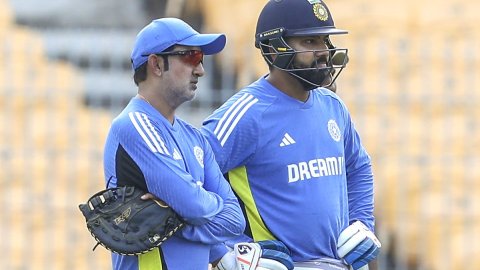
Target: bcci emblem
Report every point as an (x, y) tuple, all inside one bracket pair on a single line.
[(198, 154), (320, 12), (334, 130)]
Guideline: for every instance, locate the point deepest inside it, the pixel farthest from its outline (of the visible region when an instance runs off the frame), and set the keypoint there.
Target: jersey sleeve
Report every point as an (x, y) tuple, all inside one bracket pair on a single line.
[(164, 177), (229, 222), (217, 252), (359, 177), (231, 133)]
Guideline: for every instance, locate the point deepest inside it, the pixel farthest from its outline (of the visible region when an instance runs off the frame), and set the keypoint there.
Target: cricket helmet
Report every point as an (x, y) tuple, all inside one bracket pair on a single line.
[(281, 19)]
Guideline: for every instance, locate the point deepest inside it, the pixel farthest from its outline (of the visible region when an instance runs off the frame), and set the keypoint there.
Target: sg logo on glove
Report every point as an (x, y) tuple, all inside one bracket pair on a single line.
[(261, 255), (243, 249)]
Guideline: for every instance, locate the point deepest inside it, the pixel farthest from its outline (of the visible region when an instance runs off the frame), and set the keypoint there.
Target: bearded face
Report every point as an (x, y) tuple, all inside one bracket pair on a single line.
[(316, 74)]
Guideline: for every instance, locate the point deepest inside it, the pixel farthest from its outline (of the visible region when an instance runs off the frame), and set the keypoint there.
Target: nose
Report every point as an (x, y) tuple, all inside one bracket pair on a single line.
[(321, 53), (199, 71)]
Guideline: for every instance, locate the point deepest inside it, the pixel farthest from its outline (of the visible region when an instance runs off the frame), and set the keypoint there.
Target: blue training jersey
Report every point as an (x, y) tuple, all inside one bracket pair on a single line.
[(177, 165), (299, 168)]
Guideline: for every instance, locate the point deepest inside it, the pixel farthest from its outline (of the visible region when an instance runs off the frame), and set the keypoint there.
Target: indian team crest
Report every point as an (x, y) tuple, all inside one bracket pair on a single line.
[(334, 130), (198, 154), (320, 11)]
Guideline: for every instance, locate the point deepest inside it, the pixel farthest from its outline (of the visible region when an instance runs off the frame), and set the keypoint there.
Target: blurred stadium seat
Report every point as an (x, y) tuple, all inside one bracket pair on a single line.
[(50, 153)]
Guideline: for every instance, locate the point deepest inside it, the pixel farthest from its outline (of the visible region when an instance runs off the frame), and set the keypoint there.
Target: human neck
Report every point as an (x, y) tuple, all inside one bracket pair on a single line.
[(288, 85), (159, 105), (140, 96)]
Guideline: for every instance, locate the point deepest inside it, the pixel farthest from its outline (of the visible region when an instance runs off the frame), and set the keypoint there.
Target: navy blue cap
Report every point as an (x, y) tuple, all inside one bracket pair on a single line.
[(297, 18), (163, 33)]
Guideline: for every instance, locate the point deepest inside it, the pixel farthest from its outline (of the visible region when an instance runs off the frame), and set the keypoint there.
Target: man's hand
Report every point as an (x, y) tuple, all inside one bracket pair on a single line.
[(357, 245), (262, 255)]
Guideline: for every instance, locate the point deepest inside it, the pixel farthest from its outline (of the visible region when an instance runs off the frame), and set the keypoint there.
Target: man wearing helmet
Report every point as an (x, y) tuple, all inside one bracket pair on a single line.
[(289, 148)]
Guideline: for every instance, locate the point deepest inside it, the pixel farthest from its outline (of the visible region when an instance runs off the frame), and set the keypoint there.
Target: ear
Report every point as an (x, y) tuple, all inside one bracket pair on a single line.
[(155, 64)]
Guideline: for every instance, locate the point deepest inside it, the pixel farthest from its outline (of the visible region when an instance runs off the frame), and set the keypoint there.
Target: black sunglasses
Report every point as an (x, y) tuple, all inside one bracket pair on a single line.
[(192, 57)]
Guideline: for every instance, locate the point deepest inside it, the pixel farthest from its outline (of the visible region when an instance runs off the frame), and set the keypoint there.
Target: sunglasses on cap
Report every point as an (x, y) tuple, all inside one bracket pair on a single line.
[(191, 57)]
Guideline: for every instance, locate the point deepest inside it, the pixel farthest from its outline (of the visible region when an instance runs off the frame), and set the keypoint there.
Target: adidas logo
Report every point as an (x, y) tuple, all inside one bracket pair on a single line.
[(287, 140), (176, 155)]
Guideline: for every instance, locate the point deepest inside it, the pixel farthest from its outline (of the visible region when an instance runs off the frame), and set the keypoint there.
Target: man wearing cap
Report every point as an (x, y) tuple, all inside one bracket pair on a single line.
[(149, 147), (290, 149)]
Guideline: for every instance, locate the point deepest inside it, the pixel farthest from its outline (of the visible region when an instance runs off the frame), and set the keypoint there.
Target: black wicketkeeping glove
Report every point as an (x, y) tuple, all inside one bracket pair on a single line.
[(124, 223)]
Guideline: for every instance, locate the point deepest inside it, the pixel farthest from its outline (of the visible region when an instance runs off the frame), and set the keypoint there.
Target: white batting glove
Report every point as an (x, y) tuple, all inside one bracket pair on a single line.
[(262, 255), (357, 245)]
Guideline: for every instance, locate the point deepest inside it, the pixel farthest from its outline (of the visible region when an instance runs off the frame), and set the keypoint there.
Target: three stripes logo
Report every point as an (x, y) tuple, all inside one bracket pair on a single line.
[(287, 140), (176, 155), (149, 134), (232, 116)]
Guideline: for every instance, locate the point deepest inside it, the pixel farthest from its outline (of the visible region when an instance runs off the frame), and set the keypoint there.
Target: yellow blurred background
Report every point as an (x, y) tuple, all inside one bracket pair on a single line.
[(412, 85)]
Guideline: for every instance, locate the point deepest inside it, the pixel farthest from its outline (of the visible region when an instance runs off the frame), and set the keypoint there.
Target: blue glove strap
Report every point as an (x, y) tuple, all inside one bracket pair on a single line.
[(274, 245), (278, 256), (358, 251), (365, 260), (362, 254)]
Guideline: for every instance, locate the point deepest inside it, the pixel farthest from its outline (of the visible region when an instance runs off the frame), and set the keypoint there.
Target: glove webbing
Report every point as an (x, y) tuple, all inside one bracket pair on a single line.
[(106, 196)]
